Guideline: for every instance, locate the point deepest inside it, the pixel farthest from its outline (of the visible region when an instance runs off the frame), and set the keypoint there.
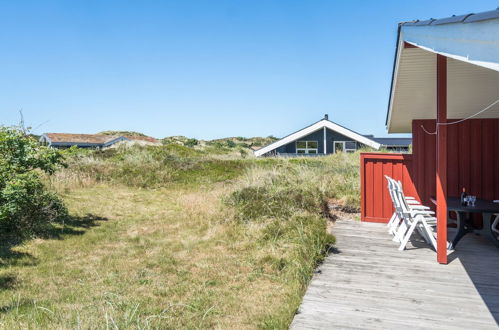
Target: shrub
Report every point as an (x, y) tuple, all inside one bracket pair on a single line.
[(191, 142), (25, 204), (230, 144)]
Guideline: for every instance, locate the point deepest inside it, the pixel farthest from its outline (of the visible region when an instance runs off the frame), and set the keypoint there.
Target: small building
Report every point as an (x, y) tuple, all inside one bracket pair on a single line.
[(326, 137), (94, 141)]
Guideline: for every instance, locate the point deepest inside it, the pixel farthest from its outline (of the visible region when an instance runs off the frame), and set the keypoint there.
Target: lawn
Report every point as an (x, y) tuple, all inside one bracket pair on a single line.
[(174, 238)]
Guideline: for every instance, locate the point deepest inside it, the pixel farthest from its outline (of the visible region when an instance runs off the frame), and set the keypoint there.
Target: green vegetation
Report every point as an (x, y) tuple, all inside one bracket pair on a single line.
[(126, 133), (177, 236), (222, 146), (26, 207)]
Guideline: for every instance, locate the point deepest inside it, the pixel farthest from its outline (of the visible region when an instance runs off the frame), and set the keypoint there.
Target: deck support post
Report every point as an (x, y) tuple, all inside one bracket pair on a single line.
[(441, 175)]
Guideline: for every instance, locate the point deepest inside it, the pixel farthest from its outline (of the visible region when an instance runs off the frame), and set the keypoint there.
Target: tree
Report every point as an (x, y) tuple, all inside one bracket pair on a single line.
[(26, 206)]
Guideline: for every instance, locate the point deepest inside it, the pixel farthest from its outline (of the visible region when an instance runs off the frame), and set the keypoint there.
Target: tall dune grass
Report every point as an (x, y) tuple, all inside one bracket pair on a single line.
[(173, 237)]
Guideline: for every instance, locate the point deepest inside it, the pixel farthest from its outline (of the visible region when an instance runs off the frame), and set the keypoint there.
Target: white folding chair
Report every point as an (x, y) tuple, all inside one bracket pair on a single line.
[(495, 224), (422, 220), (396, 220)]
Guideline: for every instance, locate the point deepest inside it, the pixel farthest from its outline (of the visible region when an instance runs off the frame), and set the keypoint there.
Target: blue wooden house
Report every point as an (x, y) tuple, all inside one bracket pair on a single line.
[(326, 137)]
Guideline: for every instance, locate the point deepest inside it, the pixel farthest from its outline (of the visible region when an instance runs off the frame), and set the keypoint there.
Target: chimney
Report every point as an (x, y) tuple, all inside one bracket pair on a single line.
[(326, 117)]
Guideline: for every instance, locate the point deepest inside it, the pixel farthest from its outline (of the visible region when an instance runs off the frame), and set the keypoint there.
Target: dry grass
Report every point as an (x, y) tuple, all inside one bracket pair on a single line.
[(173, 256)]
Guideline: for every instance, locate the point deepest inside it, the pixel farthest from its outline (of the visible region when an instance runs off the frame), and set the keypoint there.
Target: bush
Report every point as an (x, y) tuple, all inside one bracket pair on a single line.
[(191, 142), (26, 206), (230, 144)]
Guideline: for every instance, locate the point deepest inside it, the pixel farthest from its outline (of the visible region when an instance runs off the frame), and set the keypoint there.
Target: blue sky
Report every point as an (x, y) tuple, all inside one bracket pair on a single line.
[(203, 69)]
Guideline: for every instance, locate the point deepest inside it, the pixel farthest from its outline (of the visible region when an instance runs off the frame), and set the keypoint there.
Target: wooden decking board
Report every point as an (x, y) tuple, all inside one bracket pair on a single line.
[(368, 284)]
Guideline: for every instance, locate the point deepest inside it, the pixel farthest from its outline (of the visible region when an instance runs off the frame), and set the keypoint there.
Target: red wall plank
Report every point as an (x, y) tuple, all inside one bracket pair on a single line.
[(375, 198)]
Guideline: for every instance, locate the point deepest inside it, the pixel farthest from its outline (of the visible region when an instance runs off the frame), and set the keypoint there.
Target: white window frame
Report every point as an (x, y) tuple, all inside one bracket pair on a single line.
[(344, 146), (307, 149)]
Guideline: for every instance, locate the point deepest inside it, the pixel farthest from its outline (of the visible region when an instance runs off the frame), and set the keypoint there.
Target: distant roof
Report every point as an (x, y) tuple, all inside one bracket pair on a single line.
[(394, 142), (80, 138), (94, 139), (315, 127)]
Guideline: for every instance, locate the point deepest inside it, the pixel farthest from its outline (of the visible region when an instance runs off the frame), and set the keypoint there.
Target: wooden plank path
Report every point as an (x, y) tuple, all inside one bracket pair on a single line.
[(366, 283)]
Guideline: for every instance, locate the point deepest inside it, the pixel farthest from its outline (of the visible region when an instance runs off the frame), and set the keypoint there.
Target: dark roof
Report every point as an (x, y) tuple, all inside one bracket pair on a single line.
[(466, 18), (393, 141)]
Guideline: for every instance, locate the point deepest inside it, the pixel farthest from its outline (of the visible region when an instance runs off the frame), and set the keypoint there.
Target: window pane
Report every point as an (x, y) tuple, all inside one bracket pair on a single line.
[(338, 146), (301, 144), (312, 151), (312, 144), (351, 145), (300, 151)]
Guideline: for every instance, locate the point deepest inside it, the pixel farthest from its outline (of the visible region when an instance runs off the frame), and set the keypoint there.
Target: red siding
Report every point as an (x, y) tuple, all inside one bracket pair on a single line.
[(376, 205), (472, 163)]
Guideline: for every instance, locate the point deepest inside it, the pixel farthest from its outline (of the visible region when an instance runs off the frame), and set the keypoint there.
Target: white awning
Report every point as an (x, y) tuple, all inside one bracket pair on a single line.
[(471, 42)]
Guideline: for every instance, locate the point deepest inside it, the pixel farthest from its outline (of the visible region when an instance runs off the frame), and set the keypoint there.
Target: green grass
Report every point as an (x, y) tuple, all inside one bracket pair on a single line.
[(173, 237)]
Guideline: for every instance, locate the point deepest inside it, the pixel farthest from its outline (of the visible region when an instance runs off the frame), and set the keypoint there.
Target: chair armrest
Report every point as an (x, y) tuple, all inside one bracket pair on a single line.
[(419, 207), (421, 212)]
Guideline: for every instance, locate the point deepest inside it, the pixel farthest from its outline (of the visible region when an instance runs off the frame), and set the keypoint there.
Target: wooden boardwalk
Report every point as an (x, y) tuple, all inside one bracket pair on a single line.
[(368, 284)]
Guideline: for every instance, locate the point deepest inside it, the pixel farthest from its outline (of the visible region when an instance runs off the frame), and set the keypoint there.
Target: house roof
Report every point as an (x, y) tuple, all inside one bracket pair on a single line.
[(393, 142), (94, 139), (471, 44), (80, 138), (313, 128)]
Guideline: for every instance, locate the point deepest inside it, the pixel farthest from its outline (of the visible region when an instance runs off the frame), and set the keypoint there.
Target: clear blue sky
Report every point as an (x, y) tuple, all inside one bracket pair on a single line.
[(203, 69)]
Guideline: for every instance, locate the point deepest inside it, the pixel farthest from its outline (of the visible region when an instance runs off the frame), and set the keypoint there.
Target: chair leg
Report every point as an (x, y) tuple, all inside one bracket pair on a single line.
[(423, 232), (400, 232), (392, 219), (394, 225), (494, 225), (407, 236), (429, 232)]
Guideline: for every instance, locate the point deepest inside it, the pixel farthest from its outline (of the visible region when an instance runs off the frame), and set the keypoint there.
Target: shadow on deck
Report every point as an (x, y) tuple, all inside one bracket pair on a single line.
[(368, 284)]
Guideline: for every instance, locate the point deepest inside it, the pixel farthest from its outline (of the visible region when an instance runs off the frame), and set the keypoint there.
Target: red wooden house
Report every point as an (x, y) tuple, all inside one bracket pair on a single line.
[(445, 91)]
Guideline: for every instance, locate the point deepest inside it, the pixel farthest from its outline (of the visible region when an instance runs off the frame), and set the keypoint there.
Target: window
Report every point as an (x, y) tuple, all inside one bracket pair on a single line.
[(350, 146), (307, 147), (345, 146)]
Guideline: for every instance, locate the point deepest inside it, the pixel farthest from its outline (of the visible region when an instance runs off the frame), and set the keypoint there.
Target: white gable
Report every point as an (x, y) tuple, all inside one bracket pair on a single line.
[(313, 128)]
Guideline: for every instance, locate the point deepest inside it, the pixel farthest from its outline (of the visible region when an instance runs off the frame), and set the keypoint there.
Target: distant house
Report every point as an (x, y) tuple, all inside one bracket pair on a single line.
[(326, 137), (397, 144), (94, 141)]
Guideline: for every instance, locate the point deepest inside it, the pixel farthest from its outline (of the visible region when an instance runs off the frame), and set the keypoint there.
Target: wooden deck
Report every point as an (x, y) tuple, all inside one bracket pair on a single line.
[(368, 284)]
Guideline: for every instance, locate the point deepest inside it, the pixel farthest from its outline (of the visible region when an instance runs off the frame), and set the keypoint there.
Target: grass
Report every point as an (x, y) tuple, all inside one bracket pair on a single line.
[(176, 238)]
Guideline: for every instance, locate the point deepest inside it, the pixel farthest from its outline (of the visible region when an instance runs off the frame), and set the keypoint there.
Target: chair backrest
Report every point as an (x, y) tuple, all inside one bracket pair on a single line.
[(392, 188), (401, 197)]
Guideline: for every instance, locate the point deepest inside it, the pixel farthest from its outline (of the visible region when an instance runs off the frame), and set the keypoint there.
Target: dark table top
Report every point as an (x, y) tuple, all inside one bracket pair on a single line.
[(481, 206)]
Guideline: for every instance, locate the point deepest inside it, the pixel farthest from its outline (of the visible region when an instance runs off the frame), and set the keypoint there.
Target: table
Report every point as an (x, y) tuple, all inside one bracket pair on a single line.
[(485, 207)]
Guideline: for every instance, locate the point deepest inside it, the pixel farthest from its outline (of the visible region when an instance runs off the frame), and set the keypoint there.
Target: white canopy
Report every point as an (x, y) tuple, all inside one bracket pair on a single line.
[(471, 42)]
